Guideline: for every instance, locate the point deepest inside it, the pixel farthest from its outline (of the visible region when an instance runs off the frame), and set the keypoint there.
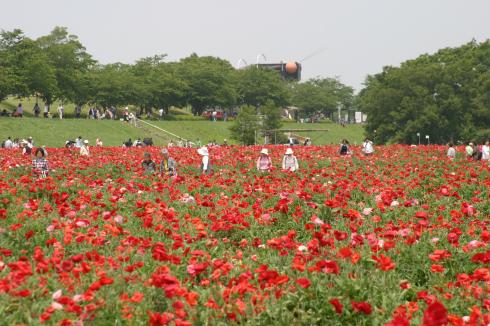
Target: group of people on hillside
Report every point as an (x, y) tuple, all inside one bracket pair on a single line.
[(93, 112), (472, 151)]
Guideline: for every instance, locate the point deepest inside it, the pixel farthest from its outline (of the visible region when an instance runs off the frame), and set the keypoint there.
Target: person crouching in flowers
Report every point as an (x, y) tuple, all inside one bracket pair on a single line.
[(148, 164), (264, 162), (289, 161), (205, 163), (40, 166), (84, 151), (167, 166)]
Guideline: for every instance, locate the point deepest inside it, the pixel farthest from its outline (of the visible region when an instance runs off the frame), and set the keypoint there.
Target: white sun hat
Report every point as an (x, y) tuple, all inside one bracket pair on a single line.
[(289, 151), (203, 151), (264, 151), (85, 141)]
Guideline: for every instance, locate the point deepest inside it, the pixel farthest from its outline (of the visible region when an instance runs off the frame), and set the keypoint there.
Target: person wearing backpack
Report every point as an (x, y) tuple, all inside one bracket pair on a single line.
[(344, 148)]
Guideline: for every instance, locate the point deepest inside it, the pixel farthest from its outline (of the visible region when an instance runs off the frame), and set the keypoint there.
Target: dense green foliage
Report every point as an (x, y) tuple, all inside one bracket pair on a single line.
[(57, 68), (322, 95), (445, 95)]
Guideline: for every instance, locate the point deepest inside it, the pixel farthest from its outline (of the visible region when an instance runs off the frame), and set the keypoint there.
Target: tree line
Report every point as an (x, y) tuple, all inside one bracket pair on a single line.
[(445, 96), (58, 67)]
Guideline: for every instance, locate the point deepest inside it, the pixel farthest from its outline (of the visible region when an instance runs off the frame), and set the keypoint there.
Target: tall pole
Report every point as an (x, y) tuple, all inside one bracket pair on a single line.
[(258, 58)]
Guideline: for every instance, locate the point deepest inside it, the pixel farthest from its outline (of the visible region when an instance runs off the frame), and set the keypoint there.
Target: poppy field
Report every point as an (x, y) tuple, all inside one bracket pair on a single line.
[(398, 238)]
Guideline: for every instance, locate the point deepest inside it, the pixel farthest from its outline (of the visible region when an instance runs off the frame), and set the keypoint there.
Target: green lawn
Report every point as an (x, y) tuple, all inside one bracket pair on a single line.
[(54, 132)]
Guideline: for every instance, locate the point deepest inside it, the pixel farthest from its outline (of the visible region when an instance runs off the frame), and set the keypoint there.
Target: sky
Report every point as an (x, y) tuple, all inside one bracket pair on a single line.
[(349, 39)]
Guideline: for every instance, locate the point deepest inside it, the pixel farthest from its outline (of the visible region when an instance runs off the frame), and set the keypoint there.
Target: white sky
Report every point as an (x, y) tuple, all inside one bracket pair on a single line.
[(360, 36)]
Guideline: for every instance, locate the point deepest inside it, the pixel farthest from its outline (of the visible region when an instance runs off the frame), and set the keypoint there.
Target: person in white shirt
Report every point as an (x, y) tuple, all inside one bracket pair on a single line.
[(367, 147), (61, 111), (205, 164), (46, 110), (79, 142), (289, 161), (451, 152), (485, 151), (8, 143), (84, 150), (98, 143)]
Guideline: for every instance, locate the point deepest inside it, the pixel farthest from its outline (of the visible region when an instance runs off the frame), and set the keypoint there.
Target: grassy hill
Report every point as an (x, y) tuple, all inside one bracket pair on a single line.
[(54, 132)]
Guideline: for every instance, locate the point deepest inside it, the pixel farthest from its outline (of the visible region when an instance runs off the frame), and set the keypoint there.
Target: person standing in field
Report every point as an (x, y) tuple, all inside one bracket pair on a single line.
[(40, 166), (36, 110), (84, 150), (98, 143), (61, 111), (367, 147), (477, 154), (264, 162), (469, 150), (451, 151), (205, 162), (78, 111), (167, 166), (46, 111), (289, 161), (20, 111), (485, 151)]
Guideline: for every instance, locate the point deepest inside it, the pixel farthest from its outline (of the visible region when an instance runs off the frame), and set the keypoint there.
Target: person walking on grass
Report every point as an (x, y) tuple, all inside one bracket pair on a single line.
[(205, 162), (40, 166), (289, 161), (167, 166), (264, 162), (84, 150), (451, 151), (61, 111), (20, 111), (37, 110), (46, 111)]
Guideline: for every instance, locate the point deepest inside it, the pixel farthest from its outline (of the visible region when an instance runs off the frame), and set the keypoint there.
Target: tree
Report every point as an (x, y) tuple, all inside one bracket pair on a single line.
[(444, 95), (26, 69), (256, 86), (210, 82), (246, 125), (114, 85), (271, 119), (70, 60), (322, 95)]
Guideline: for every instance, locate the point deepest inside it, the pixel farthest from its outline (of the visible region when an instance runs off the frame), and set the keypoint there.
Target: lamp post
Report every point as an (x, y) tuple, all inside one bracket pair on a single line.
[(427, 137), (241, 61), (418, 135), (259, 56)]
